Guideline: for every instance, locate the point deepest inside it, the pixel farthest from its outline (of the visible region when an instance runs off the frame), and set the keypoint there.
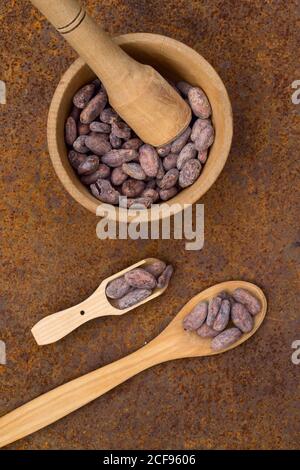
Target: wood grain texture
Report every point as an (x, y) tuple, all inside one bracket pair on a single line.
[(142, 97), (176, 61), (173, 343), (56, 326)]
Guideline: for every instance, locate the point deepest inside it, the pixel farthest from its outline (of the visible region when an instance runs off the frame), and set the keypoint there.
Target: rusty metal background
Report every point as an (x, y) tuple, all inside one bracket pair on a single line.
[(52, 259)]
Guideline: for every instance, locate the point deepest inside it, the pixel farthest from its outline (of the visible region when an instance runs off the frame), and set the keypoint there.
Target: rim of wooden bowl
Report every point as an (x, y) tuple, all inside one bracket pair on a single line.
[(190, 66)]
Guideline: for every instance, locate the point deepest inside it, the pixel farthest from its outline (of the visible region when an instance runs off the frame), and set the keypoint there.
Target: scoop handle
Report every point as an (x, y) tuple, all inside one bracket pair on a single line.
[(90, 41), (67, 398), (58, 325)]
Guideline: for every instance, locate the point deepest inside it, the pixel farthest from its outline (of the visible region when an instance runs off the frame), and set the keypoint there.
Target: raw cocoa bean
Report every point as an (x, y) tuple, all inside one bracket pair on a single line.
[(134, 170), (117, 157), (164, 151), (76, 158), (206, 331), (244, 297), (189, 173), (205, 139), (135, 203), (150, 193), (83, 129), (151, 184), (89, 166), (120, 129), (115, 141), (79, 144), (108, 116), (184, 87), (170, 161), (165, 277), (161, 170), (213, 310), (102, 127), (118, 176), (199, 102), (187, 153), (140, 279), (117, 288), (202, 156), (83, 96), (198, 127), (75, 113), (70, 131), (241, 318), (133, 188), (169, 180), (133, 297), (223, 316), (225, 339), (97, 143), (196, 317), (149, 160), (104, 191), (133, 144), (102, 173), (166, 194), (156, 268), (178, 144), (94, 108)]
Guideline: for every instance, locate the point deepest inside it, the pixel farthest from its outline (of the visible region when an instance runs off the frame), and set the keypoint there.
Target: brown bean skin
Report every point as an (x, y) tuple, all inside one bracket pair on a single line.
[(133, 297), (117, 157), (178, 144), (102, 127), (104, 191), (83, 129), (202, 156), (117, 288), (169, 180), (121, 129), (165, 277), (132, 188), (199, 102), (184, 87), (75, 113), (76, 158), (98, 144), (140, 279), (102, 173), (135, 203), (225, 339), (70, 131), (94, 108), (206, 331), (89, 166), (166, 194), (118, 176), (134, 170), (164, 151), (149, 160), (187, 153), (150, 193), (79, 144), (156, 267), (108, 116), (170, 161), (244, 297), (223, 316), (115, 141), (198, 127), (241, 318), (213, 310), (83, 96), (196, 317), (189, 173), (205, 139), (133, 144)]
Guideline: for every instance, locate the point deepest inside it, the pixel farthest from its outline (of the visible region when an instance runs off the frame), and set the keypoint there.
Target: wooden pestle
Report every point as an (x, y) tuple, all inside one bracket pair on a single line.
[(139, 94)]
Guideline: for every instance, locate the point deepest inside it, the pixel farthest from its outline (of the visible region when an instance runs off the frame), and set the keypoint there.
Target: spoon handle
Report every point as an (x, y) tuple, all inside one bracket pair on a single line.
[(59, 324), (66, 398)]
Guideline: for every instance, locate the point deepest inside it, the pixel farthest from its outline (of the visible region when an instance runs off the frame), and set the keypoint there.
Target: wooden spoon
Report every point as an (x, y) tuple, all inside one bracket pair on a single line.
[(140, 95), (56, 326), (173, 343)]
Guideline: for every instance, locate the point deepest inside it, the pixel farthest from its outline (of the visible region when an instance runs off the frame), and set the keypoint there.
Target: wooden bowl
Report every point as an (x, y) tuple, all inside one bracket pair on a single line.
[(174, 60)]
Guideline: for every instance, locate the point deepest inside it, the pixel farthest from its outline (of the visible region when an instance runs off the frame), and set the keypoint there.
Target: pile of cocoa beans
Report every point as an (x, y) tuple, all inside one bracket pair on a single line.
[(137, 284), (122, 170), (210, 320)]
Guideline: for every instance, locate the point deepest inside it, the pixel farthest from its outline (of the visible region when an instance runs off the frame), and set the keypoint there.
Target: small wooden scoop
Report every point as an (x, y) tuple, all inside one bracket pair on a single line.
[(140, 95), (173, 343), (56, 326)]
